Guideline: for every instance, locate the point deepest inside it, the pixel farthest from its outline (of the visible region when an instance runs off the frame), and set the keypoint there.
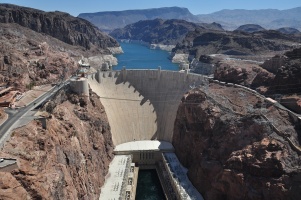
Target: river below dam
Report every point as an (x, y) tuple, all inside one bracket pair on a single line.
[(149, 187), (138, 56)]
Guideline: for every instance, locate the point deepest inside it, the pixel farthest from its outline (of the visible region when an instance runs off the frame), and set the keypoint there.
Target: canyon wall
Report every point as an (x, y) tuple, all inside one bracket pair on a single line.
[(230, 148), (69, 160)]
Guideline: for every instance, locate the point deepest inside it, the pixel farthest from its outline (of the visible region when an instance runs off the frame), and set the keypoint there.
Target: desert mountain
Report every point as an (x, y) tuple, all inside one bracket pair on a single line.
[(109, 21), (200, 42), (159, 30), (229, 19), (267, 18), (69, 29)]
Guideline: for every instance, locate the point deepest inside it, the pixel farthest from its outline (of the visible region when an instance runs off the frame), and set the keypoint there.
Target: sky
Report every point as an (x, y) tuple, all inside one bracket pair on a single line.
[(75, 7)]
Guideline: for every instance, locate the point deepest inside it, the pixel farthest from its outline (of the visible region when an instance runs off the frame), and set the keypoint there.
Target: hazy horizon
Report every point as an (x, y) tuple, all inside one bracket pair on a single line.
[(200, 7)]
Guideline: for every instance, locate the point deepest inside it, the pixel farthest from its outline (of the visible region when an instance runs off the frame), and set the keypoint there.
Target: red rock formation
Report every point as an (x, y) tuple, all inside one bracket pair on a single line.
[(273, 64), (230, 150), (242, 72), (69, 160)]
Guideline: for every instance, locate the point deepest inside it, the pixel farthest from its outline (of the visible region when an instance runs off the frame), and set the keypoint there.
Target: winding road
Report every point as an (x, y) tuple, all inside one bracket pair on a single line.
[(23, 115)]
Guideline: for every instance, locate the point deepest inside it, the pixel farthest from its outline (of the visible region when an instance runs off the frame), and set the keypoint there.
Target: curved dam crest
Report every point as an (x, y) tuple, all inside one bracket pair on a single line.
[(142, 104)]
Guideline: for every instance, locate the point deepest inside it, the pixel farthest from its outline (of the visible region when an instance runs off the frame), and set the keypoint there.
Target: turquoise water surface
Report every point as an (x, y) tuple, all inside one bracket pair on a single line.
[(137, 56), (149, 187)]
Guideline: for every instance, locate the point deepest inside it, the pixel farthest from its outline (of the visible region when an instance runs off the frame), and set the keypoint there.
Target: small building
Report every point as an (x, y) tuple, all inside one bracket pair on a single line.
[(184, 66), (8, 97), (84, 64)]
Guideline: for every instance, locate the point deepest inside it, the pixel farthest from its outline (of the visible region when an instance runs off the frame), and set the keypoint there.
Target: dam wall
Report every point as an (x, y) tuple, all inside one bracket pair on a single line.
[(142, 104)]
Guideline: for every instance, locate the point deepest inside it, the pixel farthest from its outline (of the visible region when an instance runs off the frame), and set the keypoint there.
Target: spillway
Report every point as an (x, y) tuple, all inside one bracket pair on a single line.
[(142, 104)]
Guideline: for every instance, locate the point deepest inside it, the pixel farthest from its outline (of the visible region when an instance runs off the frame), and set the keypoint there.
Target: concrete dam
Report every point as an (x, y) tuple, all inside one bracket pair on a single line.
[(142, 104)]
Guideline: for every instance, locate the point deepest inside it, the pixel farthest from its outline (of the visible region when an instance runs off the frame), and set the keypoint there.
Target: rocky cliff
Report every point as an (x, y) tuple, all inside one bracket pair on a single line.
[(68, 160), (235, 148), (69, 29)]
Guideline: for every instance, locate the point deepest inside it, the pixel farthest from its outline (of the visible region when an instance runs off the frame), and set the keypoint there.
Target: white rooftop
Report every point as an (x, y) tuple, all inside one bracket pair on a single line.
[(114, 183), (143, 145)]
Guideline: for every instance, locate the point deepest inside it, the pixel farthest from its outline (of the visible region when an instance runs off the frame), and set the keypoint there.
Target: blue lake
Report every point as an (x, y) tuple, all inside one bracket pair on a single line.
[(137, 56)]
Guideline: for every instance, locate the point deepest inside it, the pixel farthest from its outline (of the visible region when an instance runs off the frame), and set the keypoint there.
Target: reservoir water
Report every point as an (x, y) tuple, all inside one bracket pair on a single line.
[(149, 187), (138, 56)]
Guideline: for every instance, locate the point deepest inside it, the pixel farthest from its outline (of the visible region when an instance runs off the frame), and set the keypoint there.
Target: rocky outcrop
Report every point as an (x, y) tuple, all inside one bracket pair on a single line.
[(272, 65), (68, 160), (108, 21), (287, 78), (230, 150), (250, 28), (69, 29), (243, 73)]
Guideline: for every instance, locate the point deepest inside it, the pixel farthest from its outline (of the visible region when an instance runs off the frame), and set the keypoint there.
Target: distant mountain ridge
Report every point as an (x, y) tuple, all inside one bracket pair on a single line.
[(229, 19), (108, 21), (159, 31), (267, 18)]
